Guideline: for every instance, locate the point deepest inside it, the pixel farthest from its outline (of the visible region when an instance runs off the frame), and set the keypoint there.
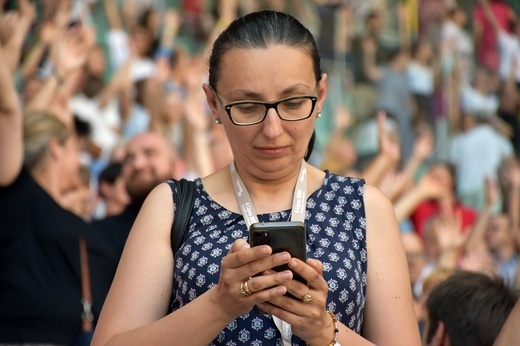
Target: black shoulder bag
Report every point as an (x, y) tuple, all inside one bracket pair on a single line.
[(183, 200)]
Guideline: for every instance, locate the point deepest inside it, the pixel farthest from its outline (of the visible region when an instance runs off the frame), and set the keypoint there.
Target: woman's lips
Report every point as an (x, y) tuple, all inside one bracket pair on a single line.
[(272, 151)]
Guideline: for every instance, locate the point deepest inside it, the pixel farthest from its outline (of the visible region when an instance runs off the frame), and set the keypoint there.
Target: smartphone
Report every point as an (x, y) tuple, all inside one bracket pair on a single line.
[(281, 236)]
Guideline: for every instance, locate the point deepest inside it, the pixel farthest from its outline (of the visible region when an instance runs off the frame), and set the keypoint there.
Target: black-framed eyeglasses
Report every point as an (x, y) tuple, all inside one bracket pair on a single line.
[(245, 113)]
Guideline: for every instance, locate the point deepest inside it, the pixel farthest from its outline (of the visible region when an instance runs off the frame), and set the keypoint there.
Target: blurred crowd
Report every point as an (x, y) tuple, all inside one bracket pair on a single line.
[(423, 102)]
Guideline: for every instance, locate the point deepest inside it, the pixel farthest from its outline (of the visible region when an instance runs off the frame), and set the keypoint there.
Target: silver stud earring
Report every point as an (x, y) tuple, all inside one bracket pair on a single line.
[(218, 122), (319, 115)]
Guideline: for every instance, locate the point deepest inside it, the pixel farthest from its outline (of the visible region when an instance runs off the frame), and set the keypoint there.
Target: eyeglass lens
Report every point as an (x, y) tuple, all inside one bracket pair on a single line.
[(292, 109)]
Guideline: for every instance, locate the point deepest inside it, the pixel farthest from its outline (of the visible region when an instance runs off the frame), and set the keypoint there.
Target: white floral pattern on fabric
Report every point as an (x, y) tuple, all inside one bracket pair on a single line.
[(336, 226)]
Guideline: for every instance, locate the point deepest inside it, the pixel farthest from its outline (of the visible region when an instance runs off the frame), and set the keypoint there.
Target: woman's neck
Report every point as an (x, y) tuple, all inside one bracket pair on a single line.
[(270, 195), (267, 195)]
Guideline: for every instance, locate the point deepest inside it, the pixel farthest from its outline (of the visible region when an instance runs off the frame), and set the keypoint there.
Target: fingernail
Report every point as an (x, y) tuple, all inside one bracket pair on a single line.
[(293, 263), (265, 250), (285, 257), (286, 275), (280, 290)]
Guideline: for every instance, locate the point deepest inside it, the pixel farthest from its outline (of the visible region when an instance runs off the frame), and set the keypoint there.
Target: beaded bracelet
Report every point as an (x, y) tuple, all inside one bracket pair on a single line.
[(334, 341)]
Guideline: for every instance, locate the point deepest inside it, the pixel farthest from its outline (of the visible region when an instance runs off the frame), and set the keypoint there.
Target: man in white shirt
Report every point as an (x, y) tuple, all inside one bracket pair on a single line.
[(478, 153)]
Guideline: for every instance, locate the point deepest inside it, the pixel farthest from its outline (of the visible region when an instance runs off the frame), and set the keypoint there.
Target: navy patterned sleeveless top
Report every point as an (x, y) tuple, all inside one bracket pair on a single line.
[(336, 227)]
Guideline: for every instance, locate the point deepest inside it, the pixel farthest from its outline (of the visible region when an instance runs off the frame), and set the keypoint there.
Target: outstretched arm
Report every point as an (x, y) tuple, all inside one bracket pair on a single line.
[(490, 16), (387, 158), (14, 26), (47, 34), (513, 192), (36, 53), (198, 150), (372, 71), (477, 234), (11, 139), (113, 16), (423, 148), (428, 187), (68, 54)]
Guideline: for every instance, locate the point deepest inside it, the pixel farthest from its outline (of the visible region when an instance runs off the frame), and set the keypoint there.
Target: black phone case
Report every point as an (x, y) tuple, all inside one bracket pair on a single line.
[(281, 236)]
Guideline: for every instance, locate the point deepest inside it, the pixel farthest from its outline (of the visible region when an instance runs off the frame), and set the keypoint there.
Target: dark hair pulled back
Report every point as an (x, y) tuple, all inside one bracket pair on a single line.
[(260, 30)]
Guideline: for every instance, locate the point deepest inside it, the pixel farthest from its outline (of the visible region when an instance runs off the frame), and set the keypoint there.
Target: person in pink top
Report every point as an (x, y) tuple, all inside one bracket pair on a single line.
[(485, 37)]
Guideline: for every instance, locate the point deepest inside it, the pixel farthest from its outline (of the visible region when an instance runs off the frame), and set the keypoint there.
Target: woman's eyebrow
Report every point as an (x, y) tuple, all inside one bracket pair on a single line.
[(303, 88)]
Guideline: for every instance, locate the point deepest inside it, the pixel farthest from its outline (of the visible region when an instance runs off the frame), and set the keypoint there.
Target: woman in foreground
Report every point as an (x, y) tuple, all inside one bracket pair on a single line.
[(267, 90)]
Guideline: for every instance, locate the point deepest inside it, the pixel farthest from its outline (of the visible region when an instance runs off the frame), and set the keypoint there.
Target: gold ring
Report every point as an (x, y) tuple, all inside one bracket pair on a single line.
[(307, 298), (244, 290)]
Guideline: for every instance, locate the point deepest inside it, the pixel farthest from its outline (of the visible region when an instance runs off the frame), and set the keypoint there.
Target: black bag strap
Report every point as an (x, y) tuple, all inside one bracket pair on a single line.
[(183, 200)]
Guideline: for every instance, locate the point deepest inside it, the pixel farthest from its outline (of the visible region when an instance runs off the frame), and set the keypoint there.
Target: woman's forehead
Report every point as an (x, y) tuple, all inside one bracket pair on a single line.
[(272, 67)]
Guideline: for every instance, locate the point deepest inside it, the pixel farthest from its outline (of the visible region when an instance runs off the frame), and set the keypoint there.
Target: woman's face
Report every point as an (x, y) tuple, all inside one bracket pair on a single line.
[(498, 232), (442, 175), (141, 40), (273, 147)]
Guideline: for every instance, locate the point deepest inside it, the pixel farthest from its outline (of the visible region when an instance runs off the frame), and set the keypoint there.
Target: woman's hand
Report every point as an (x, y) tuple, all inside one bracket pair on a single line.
[(240, 265), (69, 52), (308, 318)]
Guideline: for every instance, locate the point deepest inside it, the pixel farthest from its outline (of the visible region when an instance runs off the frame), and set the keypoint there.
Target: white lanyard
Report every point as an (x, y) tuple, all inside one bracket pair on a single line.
[(250, 217)]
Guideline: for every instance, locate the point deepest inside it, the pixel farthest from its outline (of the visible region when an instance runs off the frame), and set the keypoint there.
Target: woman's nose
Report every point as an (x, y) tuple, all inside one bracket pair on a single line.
[(272, 125)]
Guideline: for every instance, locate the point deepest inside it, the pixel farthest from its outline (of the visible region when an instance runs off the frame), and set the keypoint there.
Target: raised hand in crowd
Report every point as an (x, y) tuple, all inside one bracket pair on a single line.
[(422, 150), (8, 23), (198, 155), (47, 34), (450, 237), (388, 155), (392, 184), (428, 187), (494, 235), (512, 196), (477, 235), (339, 156), (68, 54), (171, 22), (14, 26), (512, 190)]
